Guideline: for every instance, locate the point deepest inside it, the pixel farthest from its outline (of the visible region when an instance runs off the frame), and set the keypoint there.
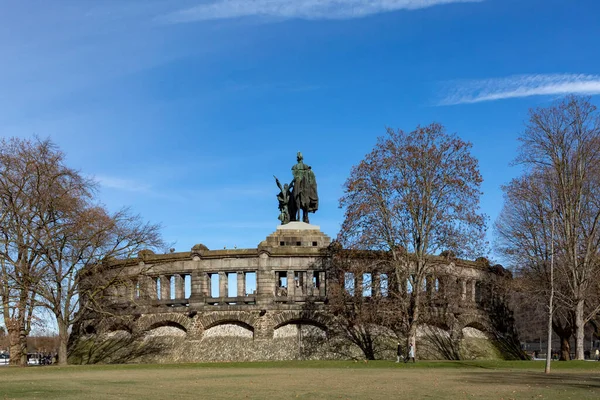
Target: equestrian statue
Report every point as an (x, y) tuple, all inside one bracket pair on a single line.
[(300, 196)]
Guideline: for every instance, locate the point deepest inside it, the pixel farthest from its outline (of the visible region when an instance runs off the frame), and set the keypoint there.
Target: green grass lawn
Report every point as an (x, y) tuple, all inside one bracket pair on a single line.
[(307, 380)]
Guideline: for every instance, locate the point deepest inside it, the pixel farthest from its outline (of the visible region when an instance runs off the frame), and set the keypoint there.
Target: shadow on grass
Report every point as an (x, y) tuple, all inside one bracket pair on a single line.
[(557, 380)]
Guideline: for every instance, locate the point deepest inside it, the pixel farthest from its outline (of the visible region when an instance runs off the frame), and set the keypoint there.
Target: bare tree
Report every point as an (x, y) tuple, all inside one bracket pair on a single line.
[(415, 194), (359, 298), (564, 141), (527, 238), (80, 239), (50, 230), (33, 180)]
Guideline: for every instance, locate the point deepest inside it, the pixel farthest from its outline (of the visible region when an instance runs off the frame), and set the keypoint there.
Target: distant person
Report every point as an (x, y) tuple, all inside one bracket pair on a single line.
[(398, 353), (597, 355), (411, 353)]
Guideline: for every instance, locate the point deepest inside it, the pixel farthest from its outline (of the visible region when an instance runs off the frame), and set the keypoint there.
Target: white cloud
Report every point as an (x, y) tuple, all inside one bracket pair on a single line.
[(304, 9), (122, 184), (476, 91)]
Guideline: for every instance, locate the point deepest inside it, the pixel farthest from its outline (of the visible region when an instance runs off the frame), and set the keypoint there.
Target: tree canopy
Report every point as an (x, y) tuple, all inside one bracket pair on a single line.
[(414, 195), (51, 227)]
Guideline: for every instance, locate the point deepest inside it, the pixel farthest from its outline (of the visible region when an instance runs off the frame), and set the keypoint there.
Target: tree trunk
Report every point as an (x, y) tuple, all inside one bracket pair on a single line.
[(15, 347), (565, 348), (579, 330), (23, 346), (549, 328), (17, 339), (412, 329), (63, 341)]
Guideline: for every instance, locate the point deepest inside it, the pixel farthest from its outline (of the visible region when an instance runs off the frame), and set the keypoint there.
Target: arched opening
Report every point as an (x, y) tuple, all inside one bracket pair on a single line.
[(475, 330), (300, 328), (118, 329), (166, 328), (478, 342), (303, 338), (438, 342), (229, 328)]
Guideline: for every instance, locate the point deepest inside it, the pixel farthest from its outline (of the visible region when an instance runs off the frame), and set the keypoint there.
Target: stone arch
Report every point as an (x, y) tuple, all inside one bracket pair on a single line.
[(148, 322), (111, 325), (299, 317), (439, 324), (478, 322), (118, 326), (241, 318)]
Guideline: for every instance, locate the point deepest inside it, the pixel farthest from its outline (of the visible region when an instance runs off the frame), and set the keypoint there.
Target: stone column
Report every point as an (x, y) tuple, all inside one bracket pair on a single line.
[(473, 283), (303, 283), (291, 284), (197, 288), (195, 284), (241, 284), (223, 287), (309, 283), (122, 291), (134, 288), (403, 286), (179, 286), (265, 281), (111, 293), (463, 289), (429, 285), (146, 284), (154, 287), (375, 284), (358, 285), (165, 287), (206, 284), (130, 286), (322, 286)]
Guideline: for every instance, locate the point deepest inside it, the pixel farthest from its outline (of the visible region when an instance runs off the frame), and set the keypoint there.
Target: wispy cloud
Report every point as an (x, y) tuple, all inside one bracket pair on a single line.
[(134, 188), (476, 91), (122, 184), (304, 9)]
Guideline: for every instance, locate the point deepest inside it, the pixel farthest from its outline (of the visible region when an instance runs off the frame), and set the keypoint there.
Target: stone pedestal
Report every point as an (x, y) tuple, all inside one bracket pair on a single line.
[(297, 234)]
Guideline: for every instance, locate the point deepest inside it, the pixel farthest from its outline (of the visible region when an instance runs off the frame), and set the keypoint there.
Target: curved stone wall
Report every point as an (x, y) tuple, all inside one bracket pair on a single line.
[(164, 308)]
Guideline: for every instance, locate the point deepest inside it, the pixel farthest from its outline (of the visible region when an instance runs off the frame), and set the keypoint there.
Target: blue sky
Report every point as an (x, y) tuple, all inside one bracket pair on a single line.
[(184, 110)]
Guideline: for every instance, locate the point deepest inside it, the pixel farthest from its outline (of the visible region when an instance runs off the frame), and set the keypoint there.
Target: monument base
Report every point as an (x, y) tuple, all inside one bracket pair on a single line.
[(297, 234), (298, 226)]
